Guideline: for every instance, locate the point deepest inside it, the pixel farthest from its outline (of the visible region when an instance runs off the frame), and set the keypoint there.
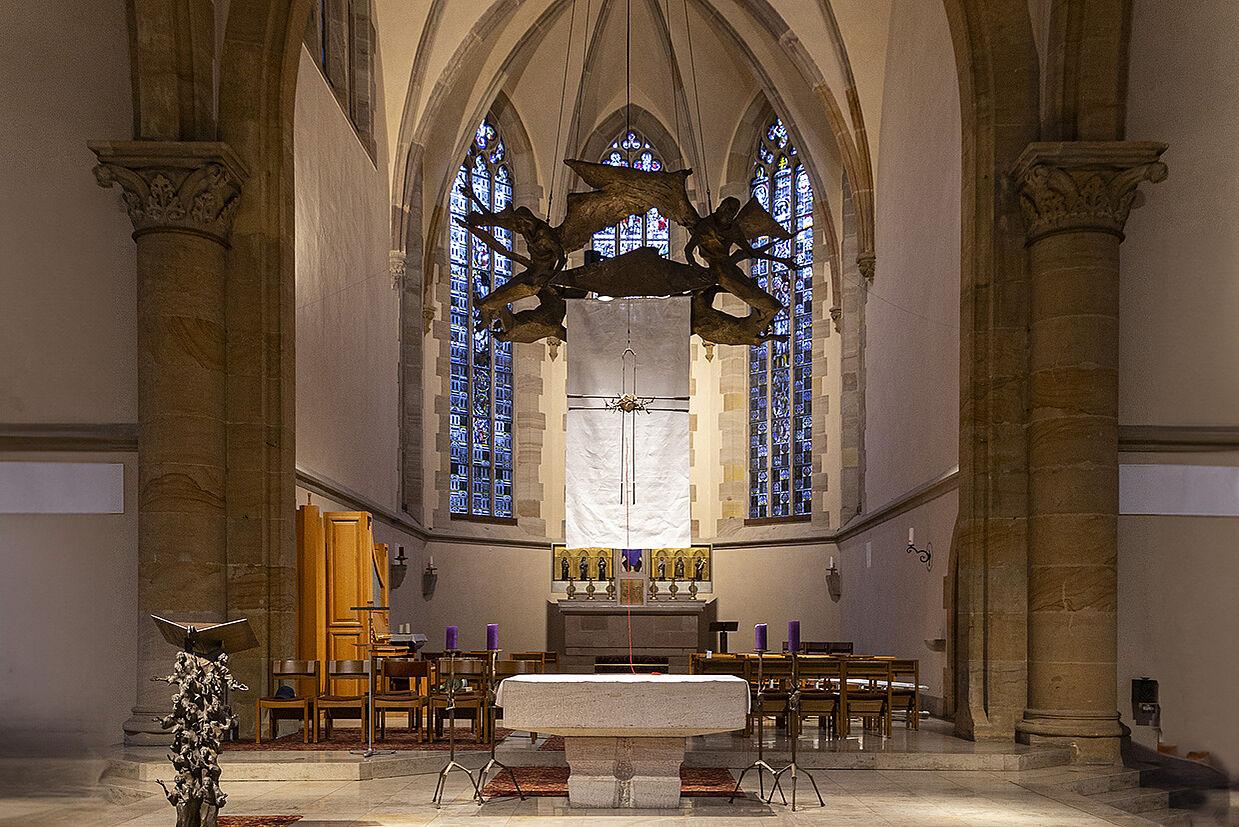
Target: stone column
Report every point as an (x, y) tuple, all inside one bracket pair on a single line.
[(181, 197), (1075, 199)]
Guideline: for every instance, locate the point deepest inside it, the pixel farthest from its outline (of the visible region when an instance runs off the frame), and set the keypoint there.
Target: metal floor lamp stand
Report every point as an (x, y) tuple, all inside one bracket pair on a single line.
[(370, 751), (452, 763), (492, 718), (760, 764), (793, 722)]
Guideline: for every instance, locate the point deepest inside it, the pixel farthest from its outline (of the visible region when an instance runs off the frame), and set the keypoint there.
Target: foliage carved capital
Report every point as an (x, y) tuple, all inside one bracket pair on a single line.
[(181, 186), (1083, 185)]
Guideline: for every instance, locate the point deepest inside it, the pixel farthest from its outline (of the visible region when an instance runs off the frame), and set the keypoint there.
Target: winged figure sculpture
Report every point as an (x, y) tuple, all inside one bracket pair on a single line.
[(718, 241)]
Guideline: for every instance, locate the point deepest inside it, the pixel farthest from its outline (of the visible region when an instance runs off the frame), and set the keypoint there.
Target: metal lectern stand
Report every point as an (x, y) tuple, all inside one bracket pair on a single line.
[(760, 764), (793, 723), (369, 751)]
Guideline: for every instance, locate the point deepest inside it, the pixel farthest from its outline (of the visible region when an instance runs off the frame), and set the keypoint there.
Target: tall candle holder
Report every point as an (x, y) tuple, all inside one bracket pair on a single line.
[(491, 720), (452, 763), (793, 717), (760, 764)]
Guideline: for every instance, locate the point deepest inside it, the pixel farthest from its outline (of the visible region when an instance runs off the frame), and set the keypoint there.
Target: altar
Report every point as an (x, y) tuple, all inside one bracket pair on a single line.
[(624, 734), (671, 629)]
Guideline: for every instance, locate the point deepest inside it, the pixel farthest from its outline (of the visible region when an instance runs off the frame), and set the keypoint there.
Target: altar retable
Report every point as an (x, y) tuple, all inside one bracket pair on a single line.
[(624, 734)]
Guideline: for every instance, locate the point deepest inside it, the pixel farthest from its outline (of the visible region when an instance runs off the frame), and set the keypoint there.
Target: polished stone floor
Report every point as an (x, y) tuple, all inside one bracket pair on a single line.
[(43, 792)]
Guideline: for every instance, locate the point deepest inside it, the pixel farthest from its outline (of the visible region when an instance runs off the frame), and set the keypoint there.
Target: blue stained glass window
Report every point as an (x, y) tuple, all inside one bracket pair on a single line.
[(781, 372), (480, 418), (649, 230)]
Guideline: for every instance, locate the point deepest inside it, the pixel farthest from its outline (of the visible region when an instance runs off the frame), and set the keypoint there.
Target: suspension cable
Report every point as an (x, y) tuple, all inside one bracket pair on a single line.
[(563, 90)]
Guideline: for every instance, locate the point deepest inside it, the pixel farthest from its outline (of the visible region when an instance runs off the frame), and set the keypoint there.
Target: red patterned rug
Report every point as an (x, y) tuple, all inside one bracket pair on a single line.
[(553, 743), (256, 821), (354, 738), (698, 782)]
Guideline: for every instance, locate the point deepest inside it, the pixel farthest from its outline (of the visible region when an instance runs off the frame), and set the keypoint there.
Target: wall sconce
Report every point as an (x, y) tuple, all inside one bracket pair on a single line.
[(430, 576), (834, 582), (399, 568), (925, 555)]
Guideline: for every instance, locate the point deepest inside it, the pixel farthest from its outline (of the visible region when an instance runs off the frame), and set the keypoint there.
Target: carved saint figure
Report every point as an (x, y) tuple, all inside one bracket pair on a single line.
[(563, 568), (679, 568), (662, 569), (602, 568), (699, 569), (584, 568)]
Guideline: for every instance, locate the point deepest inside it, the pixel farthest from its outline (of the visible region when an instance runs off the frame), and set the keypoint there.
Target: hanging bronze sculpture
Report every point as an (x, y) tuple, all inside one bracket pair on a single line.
[(721, 239)]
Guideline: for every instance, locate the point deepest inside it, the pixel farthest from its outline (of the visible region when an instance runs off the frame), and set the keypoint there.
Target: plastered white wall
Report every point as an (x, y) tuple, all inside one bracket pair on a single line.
[(67, 263), (912, 310), (347, 311), (1179, 291), (68, 622)]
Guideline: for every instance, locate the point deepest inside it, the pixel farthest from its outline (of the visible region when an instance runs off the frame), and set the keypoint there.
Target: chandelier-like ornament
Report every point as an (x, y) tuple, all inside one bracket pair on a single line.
[(718, 242)]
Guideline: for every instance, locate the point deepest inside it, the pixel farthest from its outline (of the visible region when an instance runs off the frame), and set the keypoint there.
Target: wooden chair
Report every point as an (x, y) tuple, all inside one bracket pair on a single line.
[(300, 704), (777, 674), (348, 705), (820, 679), (870, 699), (907, 699), (550, 661), (471, 700), (536, 657), (413, 701)]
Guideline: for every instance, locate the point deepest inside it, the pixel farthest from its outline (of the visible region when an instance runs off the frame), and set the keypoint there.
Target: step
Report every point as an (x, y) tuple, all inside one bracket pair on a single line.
[(1172, 817), (1135, 800)]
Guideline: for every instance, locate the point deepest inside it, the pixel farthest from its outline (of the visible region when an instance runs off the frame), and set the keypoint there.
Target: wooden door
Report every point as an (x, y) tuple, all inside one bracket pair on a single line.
[(348, 559)]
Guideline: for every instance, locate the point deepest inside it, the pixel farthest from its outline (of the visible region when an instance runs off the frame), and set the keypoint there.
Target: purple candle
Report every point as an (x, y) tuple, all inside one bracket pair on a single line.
[(492, 637), (760, 633), (452, 631), (793, 636)]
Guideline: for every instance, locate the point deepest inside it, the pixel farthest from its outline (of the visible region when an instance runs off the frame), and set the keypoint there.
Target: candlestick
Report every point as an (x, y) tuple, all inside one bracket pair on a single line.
[(492, 637), (452, 632), (760, 634)]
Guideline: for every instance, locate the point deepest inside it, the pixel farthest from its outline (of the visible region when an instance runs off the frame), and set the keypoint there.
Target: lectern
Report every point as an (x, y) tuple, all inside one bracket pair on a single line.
[(200, 713)]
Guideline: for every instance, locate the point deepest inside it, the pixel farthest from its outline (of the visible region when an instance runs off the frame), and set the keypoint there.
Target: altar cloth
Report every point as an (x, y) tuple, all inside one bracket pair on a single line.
[(624, 705)]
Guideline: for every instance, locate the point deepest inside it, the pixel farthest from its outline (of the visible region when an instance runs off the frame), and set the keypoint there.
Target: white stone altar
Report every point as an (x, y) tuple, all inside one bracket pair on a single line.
[(624, 734)]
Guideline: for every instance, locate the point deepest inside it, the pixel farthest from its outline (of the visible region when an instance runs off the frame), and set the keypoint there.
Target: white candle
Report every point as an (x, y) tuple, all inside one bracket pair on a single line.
[(911, 535), (832, 562)]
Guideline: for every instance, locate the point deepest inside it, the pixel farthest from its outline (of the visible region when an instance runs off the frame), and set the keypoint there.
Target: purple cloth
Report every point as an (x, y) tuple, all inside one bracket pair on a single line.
[(632, 559), (452, 632), (793, 636), (492, 637), (759, 632)]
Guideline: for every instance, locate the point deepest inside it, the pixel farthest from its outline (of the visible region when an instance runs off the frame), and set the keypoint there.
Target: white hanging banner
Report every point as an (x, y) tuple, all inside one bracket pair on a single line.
[(626, 472)]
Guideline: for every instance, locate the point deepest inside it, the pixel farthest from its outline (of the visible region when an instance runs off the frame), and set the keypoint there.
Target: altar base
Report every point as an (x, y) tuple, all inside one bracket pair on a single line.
[(624, 772)]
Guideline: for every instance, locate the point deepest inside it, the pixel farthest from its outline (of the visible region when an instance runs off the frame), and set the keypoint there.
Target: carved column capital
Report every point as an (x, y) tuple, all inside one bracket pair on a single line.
[(181, 186), (836, 313), (1083, 185)]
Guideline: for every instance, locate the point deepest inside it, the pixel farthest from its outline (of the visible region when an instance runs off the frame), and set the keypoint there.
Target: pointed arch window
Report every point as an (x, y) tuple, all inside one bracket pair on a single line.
[(650, 230), (481, 366), (781, 372)]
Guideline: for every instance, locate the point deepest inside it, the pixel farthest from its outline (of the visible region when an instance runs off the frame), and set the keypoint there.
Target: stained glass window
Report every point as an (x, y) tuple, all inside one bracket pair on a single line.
[(481, 366), (649, 230), (781, 371)]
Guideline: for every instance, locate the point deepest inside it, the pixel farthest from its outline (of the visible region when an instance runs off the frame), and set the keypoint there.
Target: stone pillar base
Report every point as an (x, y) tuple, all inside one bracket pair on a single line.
[(142, 730), (1092, 737), (640, 773)]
